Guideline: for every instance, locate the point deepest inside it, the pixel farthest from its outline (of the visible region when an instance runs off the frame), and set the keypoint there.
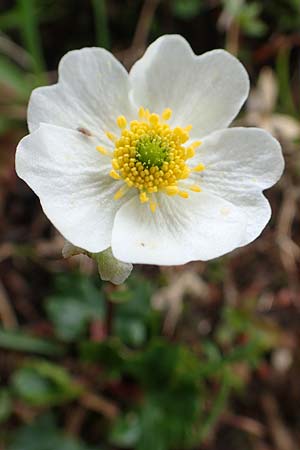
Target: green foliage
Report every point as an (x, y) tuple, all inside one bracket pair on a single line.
[(44, 434), (20, 341), (42, 383), (76, 301), (109, 354), (249, 20), (126, 431), (135, 320), (247, 16), (169, 375), (101, 23), (215, 270), (173, 383), (5, 405), (186, 9), (284, 14), (12, 77)]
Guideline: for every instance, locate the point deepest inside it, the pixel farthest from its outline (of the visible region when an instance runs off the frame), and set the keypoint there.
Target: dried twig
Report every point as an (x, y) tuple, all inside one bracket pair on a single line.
[(289, 250), (144, 23), (97, 403), (281, 436), (246, 424), (139, 41), (7, 314), (15, 52)]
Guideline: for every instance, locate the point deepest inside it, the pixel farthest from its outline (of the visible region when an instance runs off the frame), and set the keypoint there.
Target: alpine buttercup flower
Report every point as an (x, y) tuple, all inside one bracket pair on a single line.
[(144, 162)]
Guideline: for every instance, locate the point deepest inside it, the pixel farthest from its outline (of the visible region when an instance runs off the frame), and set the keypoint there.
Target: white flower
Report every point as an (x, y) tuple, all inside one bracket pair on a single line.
[(144, 162)]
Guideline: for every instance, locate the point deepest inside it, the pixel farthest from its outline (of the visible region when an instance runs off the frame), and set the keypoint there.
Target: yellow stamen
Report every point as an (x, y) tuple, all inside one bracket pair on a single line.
[(195, 188), (185, 173), (166, 114), (111, 136), (183, 194), (115, 164), (120, 193), (150, 157), (153, 206), (143, 197), (102, 150), (198, 168), (154, 119), (141, 112), (190, 152), (196, 144), (171, 190), (121, 122), (114, 175)]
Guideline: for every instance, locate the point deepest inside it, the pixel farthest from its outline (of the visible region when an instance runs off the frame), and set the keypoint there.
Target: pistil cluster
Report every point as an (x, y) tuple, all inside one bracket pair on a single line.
[(151, 157)]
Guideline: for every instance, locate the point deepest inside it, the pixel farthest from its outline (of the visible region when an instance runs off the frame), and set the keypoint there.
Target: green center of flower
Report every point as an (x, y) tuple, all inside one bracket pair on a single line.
[(151, 151)]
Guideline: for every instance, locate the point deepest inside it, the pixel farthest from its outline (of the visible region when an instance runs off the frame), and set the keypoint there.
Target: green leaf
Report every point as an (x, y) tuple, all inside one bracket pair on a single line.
[(249, 20), (177, 365), (76, 301), (135, 320), (5, 405), (126, 431), (43, 383), (168, 418), (10, 19), (16, 340), (110, 354), (31, 37), (186, 9), (131, 331), (43, 434), (14, 78), (139, 292)]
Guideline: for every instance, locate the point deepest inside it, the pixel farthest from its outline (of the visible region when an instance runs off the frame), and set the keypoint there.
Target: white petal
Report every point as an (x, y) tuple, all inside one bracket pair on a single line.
[(91, 93), (181, 230), (71, 178), (205, 91), (240, 163)]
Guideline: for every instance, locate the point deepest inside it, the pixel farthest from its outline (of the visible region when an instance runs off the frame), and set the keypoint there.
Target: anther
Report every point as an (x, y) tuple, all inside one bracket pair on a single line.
[(154, 119), (190, 152), (196, 144), (111, 136), (115, 164), (166, 114), (143, 197), (114, 175), (103, 150), (141, 112), (120, 193), (153, 206), (183, 194), (121, 122), (195, 188), (198, 168), (171, 190)]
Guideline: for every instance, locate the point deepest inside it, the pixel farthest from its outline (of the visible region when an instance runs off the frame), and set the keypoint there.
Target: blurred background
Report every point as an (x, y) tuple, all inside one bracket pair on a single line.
[(203, 356)]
